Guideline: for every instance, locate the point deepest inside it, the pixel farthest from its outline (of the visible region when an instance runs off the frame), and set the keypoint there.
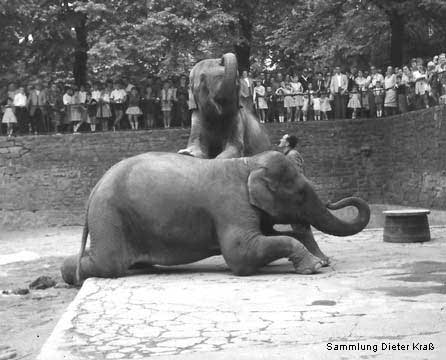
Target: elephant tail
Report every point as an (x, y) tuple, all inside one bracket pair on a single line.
[(82, 250)]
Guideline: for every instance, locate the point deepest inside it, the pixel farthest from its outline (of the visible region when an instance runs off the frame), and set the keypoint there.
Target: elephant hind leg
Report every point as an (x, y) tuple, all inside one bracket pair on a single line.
[(90, 268)]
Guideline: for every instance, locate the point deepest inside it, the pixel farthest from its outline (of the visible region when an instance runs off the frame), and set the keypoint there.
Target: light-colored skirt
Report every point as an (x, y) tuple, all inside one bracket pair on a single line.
[(354, 103), (166, 105), (298, 100), (288, 101), (325, 105), (103, 111), (9, 117), (261, 103), (390, 98), (133, 110), (305, 105), (76, 113), (317, 104)]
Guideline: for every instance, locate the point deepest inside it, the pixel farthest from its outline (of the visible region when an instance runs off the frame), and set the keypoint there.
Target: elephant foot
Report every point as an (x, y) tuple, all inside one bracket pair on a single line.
[(307, 265), (325, 261), (68, 270)]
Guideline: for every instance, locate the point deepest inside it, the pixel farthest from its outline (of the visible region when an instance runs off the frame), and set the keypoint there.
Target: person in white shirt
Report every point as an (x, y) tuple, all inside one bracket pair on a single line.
[(338, 87), (118, 98), (68, 100), (96, 93), (260, 101), (20, 103), (82, 95)]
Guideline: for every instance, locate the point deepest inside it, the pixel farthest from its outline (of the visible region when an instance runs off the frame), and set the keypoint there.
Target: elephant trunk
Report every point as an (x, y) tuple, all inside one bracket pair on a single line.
[(228, 92), (322, 219)]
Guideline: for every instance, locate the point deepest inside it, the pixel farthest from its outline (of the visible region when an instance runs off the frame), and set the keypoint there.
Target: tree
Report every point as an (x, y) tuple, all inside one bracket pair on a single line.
[(361, 31)]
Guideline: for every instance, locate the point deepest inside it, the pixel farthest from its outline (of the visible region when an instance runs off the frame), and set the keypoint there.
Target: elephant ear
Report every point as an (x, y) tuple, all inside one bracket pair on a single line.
[(262, 192)]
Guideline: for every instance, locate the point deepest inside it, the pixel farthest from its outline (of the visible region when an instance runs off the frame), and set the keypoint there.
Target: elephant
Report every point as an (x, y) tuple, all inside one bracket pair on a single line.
[(223, 124), (169, 209)]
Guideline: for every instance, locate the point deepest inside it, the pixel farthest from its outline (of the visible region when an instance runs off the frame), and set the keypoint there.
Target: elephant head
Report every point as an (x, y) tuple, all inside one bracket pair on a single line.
[(276, 187), (214, 84)]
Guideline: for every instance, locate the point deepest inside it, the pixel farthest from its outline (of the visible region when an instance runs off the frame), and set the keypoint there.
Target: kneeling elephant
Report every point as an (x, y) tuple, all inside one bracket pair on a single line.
[(168, 209)]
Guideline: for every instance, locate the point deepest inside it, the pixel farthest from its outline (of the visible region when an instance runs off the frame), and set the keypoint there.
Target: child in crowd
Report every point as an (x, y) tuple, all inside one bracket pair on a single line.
[(104, 113), (401, 94), (134, 111), (280, 97), (167, 99), (288, 99), (317, 106), (354, 102), (325, 105), (149, 107), (9, 117), (82, 95), (68, 100), (92, 110), (118, 98), (306, 106), (20, 102), (297, 97), (442, 98), (89, 111), (260, 101), (362, 83), (77, 110), (378, 93)]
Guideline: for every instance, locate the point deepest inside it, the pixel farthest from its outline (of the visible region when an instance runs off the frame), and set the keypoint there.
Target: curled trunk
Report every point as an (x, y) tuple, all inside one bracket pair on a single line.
[(323, 220), (228, 93)]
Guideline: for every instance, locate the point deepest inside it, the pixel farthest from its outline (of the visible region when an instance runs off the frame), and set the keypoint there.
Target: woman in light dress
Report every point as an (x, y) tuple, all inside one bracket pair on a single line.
[(260, 100), (9, 117), (362, 83), (104, 113), (390, 99), (354, 102), (298, 97), (288, 101), (325, 105), (421, 86)]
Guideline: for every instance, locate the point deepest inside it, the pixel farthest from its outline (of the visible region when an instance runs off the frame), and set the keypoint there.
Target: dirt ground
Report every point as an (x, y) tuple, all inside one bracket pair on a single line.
[(26, 321)]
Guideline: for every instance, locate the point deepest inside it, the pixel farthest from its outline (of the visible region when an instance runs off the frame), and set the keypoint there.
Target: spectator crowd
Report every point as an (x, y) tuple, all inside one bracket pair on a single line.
[(113, 105), (327, 94), (307, 95)]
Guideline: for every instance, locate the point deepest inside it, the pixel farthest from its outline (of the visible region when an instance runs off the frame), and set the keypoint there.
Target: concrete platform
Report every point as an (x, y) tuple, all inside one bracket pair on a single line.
[(378, 300)]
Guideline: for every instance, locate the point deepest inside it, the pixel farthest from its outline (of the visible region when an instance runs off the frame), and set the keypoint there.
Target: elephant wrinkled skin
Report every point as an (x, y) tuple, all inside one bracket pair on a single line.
[(168, 209)]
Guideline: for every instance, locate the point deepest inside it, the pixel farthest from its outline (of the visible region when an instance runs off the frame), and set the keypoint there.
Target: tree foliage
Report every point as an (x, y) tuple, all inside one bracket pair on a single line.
[(102, 39)]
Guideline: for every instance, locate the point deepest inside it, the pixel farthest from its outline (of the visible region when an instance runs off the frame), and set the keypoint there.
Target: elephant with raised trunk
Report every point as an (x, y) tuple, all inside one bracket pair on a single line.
[(168, 209), (222, 126)]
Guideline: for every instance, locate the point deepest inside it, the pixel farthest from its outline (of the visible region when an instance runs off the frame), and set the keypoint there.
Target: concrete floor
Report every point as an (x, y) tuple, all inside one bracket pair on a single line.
[(377, 300)]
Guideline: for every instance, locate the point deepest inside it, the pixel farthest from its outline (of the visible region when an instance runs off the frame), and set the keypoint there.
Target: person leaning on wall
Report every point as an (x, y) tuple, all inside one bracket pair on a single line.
[(288, 144)]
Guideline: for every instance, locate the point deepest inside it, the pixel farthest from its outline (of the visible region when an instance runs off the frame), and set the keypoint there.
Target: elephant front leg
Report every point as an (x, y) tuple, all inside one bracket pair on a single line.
[(194, 146), (234, 147), (245, 254), (304, 234)]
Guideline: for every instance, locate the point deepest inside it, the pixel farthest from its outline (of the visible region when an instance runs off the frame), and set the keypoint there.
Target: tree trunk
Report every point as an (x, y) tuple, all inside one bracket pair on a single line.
[(396, 38), (243, 46), (80, 52)]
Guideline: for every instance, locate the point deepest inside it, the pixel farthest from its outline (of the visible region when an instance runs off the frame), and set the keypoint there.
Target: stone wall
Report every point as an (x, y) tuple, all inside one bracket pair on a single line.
[(46, 180)]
